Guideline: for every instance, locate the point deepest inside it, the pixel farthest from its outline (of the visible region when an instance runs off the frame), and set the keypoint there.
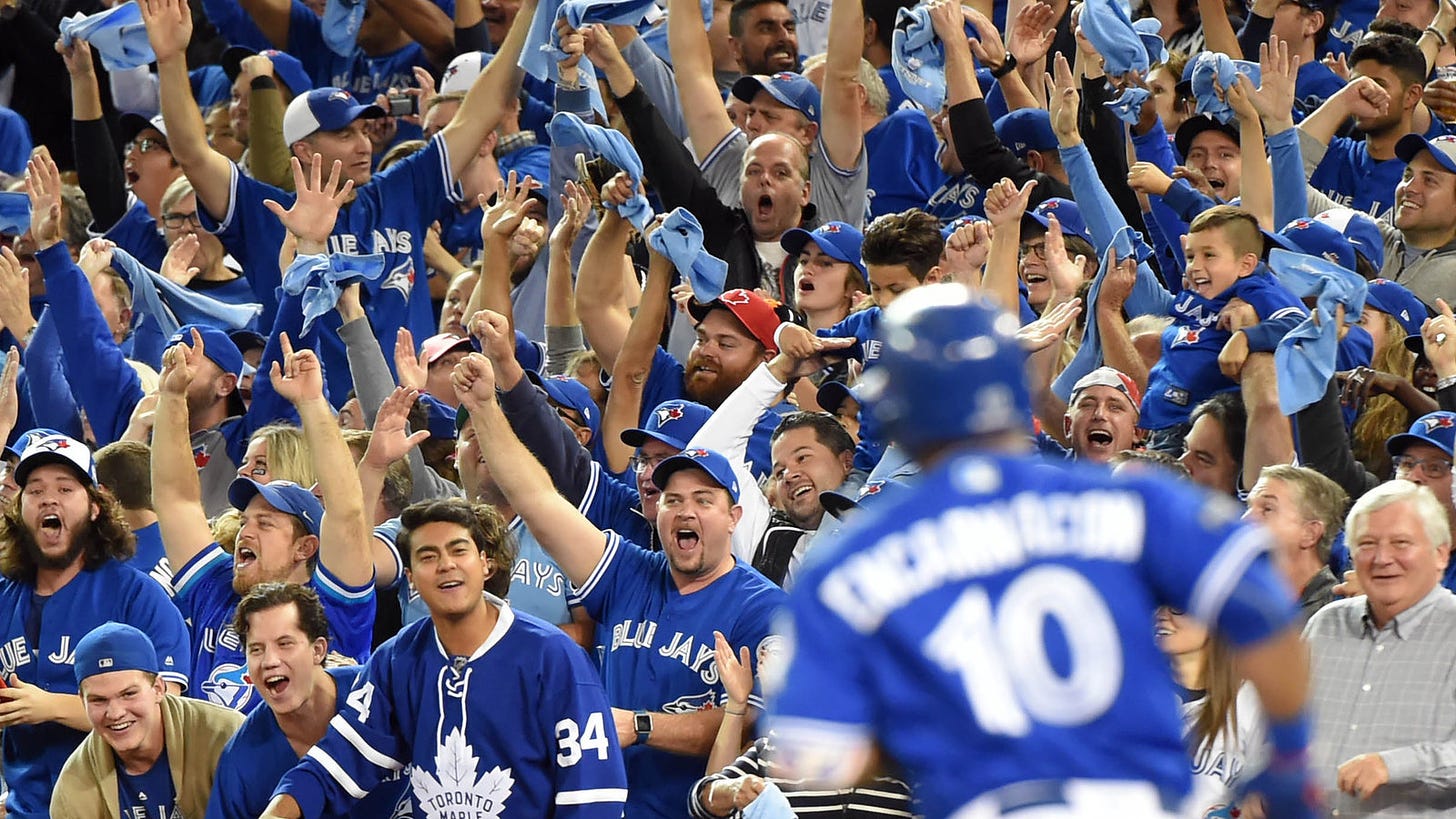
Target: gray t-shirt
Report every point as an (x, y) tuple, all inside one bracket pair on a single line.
[(838, 195)]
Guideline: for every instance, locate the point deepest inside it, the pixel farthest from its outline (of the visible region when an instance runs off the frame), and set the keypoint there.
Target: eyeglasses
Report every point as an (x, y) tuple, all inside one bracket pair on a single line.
[(176, 221), (641, 463), (148, 144), (1037, 249), (1435, 468), (571, 416)]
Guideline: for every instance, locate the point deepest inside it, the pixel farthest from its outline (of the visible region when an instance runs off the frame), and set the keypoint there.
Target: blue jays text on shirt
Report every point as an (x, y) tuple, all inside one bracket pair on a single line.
[(1347, 201), (642, 635)]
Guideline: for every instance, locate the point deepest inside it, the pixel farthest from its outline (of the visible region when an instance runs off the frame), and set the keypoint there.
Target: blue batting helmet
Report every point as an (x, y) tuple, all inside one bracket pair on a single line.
[(951, 368)]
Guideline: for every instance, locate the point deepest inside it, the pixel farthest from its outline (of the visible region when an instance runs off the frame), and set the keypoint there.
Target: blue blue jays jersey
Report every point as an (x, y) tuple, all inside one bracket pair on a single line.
[(151, 556), (361, 75), (389, 216), (1188, 371), (258, 755), (957, 196), (205, 595), (1350, 23), (665, 383), (521, 728), (137, 233), (992, 627), (149, 795), (903, 172), (38, 637), (660, 655), (863, 327)]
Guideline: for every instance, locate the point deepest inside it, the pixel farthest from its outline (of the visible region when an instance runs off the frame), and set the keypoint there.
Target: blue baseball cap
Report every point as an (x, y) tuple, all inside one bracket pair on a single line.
[(43, 447), (1394, 299), (673, 423), (114, 646), (323, 109), (573, 395), (288, 68), (1026, 129), (833, 393), (439, 417), (216, 346), (1314, 238), (1437, 429), (788, 88), (838, 503), (531, 355), (1360, 230), (285, 496), (838, 240), (1442, 148), (956, 224), (23, 440), (1066, 212), (707, 460)]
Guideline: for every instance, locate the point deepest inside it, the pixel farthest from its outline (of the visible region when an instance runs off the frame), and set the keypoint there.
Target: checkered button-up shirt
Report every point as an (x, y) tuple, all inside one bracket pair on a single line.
[(1389, 690)]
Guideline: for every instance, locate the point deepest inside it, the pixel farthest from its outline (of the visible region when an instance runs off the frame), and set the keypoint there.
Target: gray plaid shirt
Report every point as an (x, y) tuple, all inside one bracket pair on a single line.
[(1392, 691)]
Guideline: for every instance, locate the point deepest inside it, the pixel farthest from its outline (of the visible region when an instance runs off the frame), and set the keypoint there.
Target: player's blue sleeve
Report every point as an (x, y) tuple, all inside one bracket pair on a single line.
[(362, 747), (1200, 556), (235, 25), (111, 388), (614, 505), (136, 233), (49, 391), (553, 444), (151, 610), (351, 612), (590, 782), (623, 564), (1185, 201), (306, 42)]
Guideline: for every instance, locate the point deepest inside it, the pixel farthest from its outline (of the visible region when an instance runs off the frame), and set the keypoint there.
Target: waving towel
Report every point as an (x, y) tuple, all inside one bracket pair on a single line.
[(321, 279), (1216, 71), (567, 128), (918, 57), (118, 34), (681, 239), (163, 305), (1107, 27), (1305, 358), (341, 22)]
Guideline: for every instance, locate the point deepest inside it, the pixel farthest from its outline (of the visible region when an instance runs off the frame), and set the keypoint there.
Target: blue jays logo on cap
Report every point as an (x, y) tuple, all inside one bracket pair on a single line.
[(829, 228), (669, 413), (1440, 421), (340, 96), (703, 453)]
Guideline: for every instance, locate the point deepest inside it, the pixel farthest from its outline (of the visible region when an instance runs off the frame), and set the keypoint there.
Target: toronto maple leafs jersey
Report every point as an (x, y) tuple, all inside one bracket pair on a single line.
[(389, 216), (204, 588), (38, 637), (1188, 372), (521, 728), (258, 756), (660, 652), (992, 626)]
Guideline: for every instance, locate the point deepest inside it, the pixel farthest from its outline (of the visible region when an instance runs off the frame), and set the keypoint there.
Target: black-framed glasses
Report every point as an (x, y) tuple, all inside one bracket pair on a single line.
[(643, 463), (148, 144), (176, 221), (1037, 249)]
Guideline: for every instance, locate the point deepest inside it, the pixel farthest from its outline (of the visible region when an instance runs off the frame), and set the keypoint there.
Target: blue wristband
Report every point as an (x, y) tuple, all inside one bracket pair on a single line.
[(1289, 736)]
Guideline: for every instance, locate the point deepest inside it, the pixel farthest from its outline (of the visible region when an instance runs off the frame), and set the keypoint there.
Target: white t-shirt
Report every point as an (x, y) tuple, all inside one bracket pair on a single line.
[(1222, 765)]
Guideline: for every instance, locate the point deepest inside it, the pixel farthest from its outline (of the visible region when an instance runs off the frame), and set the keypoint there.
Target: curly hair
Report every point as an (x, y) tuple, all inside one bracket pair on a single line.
[(1383, 416), (485, 525), (107, 537)]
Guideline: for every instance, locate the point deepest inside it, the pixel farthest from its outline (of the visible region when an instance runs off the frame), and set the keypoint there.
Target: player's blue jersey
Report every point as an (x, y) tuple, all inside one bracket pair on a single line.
[(389, 216), (151, 556), (38, 637), (205, 595), (258, 755), (521, 728), (660, 654), (993, 626), (1188, 372)]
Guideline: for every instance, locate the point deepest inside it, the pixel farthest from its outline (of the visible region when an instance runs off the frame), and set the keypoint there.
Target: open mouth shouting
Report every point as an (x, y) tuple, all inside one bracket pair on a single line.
[(685, 539), (1099, 440), (275, 684)]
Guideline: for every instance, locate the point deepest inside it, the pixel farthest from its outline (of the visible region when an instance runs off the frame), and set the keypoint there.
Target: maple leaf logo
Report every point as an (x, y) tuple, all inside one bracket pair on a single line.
[(455, 785)]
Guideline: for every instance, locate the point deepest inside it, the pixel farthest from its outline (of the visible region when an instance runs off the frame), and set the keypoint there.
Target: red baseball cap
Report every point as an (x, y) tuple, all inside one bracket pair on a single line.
[(758, 315)]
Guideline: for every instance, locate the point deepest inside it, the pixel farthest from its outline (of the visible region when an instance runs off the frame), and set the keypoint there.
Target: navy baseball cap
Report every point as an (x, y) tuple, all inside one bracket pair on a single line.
[(1066, 212), (571, 394), (440, 418), (1193, 126), (838, 240), (707, 460), (1442, 148), (285, 496), (216, 345), (288, 68), (833, 393), (133, 124), (1437, 429), (788, 88), (1360, 230), (956, 224), (673, 423), (1394, 299), (1314, 238), (114, 646), (1026, 129), (246, 340), (323, 109), (43, 447)]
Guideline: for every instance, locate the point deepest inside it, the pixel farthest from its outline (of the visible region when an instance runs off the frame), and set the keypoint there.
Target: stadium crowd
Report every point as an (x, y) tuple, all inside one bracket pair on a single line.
[(430, 407)]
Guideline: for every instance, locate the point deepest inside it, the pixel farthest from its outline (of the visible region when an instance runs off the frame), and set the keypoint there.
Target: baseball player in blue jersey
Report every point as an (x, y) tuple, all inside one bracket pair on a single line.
[(285, 632), (990, 630), (500, 714), (62, 547), (658, 609)]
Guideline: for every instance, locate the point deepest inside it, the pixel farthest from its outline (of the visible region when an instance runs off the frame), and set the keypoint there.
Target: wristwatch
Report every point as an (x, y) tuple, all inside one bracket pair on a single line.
[(642, 721)]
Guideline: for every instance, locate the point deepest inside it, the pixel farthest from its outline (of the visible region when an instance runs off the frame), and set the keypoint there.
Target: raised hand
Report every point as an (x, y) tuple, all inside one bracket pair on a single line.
[(43, 187), (1277, 70), (1031, 33), (298, 377), (180, 364), (1005, 203), (617, 190), (1050, 328), (177, 266), (1063, 101), (968, 246), (14, 295), (1438, 335), (502, 218), (77, 57), (316, 208), (169, 27), (947, 20), (735, 670), (95, 257), (494, 332), (391, 438), (474, 382), (410, 369), (987, 46), (601, 49), (1066, 274), (1195, 178), (1117, 283), (576, 204), (1366, 98), (573, 45), (1239, 97), (9, 393), (1145, 177)]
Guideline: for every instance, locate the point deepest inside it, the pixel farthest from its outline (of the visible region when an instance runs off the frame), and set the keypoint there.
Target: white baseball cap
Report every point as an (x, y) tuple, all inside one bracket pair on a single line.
[(323, 109), (463, 70), (55, 449)]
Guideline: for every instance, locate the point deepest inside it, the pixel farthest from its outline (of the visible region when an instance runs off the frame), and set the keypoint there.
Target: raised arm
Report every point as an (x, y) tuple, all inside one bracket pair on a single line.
[(272, 18), (1256, 190), (485, 103), (692, 61), (176, 489), (1269, 438), (390, 440), (169, 28), (1118, 351), (567, 536), (1005, 205), (599, 286), (839, 128), (500, 220), (633, 365), (560, 300), (426, 24), (97, 169)]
